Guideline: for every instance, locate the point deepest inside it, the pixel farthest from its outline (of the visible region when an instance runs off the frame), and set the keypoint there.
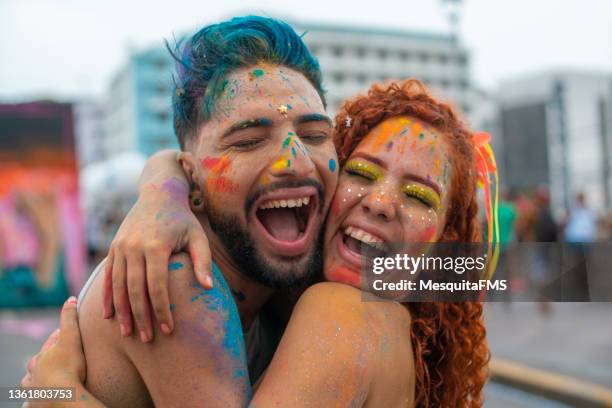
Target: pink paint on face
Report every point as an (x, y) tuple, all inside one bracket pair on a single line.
[(387, 195)]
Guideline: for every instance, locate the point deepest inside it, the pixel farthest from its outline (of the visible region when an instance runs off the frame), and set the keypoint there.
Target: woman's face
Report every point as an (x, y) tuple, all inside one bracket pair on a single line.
[(393, 189)]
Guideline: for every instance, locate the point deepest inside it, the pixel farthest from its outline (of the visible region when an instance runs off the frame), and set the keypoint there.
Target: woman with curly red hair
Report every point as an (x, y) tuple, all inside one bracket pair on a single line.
[(448, 339), (408, 174)]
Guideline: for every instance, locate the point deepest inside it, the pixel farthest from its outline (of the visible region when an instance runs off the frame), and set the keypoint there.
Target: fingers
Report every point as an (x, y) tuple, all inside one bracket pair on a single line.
[(199, 249), (137, 290), (120, 296), (157, 282), (107, 287), (51, 340), (69, 334)]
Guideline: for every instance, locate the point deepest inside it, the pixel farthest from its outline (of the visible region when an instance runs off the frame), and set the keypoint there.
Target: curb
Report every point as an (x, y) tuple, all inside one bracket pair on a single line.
[(551, 385)]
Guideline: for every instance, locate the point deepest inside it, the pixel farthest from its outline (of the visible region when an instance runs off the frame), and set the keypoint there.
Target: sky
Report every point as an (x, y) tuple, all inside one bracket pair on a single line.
[(71, 48)]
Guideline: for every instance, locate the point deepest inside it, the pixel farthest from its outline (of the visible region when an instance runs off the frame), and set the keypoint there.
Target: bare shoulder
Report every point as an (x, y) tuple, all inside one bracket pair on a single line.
[(111, 377), (340, 301), (341, 351)]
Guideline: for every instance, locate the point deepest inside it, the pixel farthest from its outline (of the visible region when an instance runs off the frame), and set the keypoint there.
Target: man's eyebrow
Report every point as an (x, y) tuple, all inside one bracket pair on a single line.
[(313, 117), (249, 123)]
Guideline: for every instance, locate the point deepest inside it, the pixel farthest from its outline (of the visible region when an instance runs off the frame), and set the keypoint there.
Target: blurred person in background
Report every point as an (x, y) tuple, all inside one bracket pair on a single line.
[(32, 267), (580, 232), (507, 234), (546, 232), (581, 224)]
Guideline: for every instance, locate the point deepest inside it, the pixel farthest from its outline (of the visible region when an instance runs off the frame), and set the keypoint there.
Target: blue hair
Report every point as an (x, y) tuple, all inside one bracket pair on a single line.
[(204, 60)]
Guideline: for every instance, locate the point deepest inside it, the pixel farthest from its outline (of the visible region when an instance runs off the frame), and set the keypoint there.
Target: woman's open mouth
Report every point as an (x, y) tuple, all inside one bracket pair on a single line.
[(357, 246), (285, 219)]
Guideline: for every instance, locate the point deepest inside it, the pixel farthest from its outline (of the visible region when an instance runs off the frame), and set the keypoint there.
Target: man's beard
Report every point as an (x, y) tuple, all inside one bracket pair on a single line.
[(241, 248)]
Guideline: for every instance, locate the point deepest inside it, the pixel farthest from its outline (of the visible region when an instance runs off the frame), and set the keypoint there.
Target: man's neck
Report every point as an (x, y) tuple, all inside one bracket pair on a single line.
[(250, 296)]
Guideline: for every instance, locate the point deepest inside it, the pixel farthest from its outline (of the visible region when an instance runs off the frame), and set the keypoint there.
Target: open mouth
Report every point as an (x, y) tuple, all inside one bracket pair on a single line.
[(363, 244), (285, 219)]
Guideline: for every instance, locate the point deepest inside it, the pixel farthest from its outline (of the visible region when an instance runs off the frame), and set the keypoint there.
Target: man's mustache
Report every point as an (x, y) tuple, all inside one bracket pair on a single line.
[(277, 185)]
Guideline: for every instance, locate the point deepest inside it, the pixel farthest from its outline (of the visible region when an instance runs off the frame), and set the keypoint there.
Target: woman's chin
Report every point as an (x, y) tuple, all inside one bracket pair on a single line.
[(344, 274)]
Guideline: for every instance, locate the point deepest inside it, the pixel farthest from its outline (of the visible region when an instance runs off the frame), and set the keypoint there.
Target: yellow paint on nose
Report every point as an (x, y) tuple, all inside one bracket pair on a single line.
[(281, 163)]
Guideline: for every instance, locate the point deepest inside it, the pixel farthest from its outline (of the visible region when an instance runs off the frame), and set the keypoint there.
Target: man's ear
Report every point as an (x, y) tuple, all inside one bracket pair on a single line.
[(192, 172)]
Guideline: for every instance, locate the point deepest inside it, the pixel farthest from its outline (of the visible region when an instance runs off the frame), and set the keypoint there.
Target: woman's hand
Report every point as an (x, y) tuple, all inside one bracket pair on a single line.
[(158, 225), (61, 362)]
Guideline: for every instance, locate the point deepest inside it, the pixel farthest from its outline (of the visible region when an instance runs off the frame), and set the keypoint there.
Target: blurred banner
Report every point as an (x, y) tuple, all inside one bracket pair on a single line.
[(41, 239)]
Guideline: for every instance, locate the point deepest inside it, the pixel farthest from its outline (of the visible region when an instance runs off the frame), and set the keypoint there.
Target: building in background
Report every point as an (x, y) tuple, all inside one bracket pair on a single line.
[(90, 132), (555, 129), (351, 58), (139, 113)]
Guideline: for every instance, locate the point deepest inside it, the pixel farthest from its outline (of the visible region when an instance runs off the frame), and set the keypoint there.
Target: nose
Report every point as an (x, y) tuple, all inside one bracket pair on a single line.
[(293, 160), (380, 204)]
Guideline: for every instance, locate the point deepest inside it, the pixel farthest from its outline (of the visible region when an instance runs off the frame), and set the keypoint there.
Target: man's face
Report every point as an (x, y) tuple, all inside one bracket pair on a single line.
[(268, 172)]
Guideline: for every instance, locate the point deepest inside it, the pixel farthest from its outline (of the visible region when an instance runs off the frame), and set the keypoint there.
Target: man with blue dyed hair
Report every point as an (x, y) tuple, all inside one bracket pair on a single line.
[(256, 144)]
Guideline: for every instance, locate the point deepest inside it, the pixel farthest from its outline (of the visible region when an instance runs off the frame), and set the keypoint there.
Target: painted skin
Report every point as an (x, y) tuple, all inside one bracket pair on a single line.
[(394, 186), (360, 352), (126, 372)]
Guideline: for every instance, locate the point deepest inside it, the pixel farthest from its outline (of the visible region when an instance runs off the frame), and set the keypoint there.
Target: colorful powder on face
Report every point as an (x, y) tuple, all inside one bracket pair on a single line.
[(210, 162), (175, 266), (293, 152), (171, 306), (421, 136), (281, 163), (332, 165), (256, 73), (222, 184), (287, 142)]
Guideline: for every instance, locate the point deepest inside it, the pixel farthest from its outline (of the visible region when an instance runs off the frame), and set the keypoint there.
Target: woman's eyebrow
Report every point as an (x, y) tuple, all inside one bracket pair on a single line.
[(414, 177), (246, 124)]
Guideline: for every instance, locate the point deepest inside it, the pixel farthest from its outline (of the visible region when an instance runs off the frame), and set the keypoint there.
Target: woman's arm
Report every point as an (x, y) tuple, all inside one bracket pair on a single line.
[(160, 223)]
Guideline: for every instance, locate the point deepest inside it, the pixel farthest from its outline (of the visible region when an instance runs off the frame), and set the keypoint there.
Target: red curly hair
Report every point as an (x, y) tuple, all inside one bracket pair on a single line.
[(449, 339)]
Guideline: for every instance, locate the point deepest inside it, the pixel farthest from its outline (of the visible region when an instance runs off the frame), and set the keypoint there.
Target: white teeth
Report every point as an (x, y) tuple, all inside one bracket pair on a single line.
[(365, 237), (297, 202)]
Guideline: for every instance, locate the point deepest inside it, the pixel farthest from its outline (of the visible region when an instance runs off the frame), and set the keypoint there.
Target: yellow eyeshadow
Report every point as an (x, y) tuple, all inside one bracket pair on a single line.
[(367, 170), (423, 193)]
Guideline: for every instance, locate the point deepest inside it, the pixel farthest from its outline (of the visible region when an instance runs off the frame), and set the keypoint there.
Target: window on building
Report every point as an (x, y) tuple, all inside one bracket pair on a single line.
[(462, 59), (162, 116), (361, 78), (338, 77), (314, 50), (360, 51), (445, 83), (337, 51), (161, 88), (160, 63), (424, 56), (404, 55), (382, 53), (443, 58)]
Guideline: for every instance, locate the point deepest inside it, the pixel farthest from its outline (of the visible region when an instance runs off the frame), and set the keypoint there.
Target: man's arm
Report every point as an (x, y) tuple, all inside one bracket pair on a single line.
[(202, 361)]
